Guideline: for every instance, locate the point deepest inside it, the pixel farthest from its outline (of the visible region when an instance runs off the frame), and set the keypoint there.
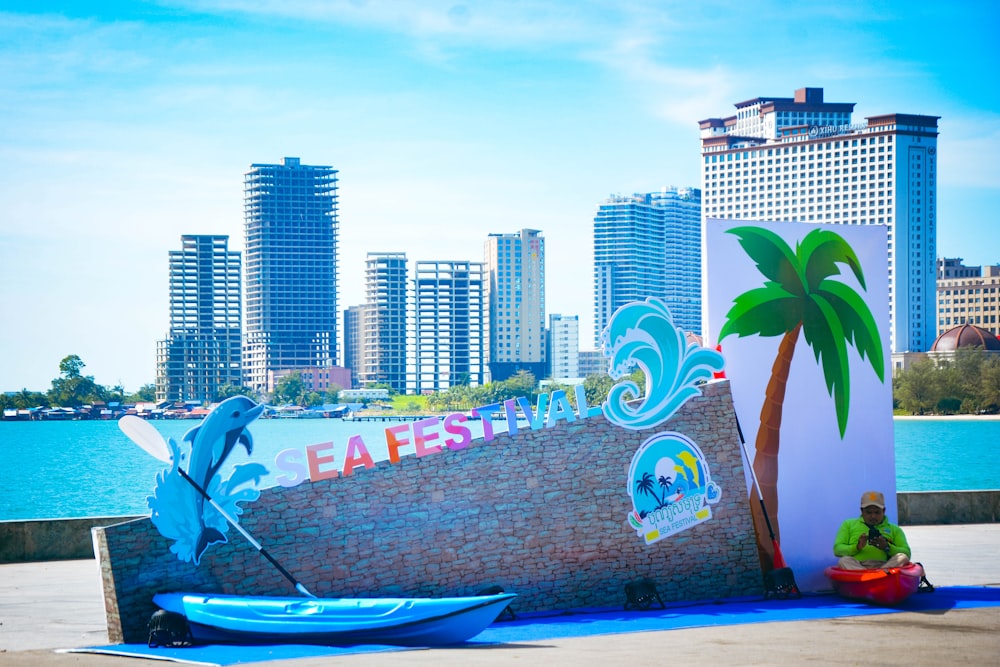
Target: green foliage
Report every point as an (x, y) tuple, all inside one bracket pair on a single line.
[(596, 387), (230, 390), (967, 383), (146, 393), (24, 400), (74, 389), (918, 389)]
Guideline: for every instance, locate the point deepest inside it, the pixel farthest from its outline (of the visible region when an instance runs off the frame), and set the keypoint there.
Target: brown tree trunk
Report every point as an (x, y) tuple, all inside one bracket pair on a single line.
[(765, 462)]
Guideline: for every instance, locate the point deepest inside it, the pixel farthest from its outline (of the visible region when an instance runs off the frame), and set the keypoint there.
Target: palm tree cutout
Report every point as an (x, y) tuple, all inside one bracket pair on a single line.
[(800, 295)]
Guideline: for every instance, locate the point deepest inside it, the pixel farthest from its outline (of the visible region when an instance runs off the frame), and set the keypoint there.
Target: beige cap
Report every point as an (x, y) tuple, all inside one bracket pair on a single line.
[(872, 498)]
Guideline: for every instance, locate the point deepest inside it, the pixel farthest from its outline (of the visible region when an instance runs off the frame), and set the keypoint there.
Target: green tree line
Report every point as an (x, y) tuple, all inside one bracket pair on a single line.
[(73, 389), (462, 398), (967, 383)]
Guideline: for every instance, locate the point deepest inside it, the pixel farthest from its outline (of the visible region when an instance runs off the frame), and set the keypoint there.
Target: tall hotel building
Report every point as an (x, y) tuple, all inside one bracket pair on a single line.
[(202, 350), (649, 245), (800, 158), (450, 323), (290, 212), (383, 358), (516, 267)]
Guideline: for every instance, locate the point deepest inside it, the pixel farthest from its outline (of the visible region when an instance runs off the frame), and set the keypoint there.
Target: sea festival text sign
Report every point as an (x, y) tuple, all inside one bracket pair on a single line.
[(428, 436)]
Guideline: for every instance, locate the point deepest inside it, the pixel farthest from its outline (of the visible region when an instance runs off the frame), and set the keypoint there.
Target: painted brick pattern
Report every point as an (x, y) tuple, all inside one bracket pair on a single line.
[(540, 513)]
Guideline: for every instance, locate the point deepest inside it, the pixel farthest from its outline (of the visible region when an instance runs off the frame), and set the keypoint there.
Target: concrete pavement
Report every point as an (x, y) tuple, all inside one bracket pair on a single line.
[(59, 604)]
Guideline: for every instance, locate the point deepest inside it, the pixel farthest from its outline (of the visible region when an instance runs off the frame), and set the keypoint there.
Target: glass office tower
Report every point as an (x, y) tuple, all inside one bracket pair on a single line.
[(649, 245)]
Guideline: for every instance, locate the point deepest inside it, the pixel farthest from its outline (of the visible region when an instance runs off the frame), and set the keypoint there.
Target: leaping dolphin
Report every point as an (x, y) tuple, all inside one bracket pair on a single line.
[(211, 443)]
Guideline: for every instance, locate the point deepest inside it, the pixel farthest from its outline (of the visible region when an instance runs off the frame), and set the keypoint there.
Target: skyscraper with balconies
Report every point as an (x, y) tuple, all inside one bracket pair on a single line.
[(290, 212), (450, 325), (800, 158), (515, 264), (649, 245), (384, 322), (202, 351)]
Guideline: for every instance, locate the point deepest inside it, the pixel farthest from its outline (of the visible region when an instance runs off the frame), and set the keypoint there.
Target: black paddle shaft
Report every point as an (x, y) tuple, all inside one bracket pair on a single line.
[(252, 541), (760, 496)]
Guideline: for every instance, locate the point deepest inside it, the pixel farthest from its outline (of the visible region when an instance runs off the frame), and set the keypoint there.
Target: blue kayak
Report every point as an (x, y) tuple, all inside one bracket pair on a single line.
[(296, 620)]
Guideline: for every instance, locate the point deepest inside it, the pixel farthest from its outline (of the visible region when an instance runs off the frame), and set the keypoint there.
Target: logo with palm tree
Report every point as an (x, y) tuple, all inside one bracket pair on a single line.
[(800, 295), (670, 486)]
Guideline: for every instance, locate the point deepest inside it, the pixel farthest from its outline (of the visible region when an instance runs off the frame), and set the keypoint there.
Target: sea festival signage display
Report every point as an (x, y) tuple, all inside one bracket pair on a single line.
[(429, 436), (669, 481)]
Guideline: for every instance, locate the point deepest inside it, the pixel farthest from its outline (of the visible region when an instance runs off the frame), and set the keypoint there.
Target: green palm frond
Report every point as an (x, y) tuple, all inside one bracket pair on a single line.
[(821, 251), (767, 311), (773, 257), (823, 332), (858, 323), (799, 290)]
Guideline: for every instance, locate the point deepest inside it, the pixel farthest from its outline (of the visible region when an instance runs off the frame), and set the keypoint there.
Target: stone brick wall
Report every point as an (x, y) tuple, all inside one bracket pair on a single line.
[(948, 507), (541, 513), (49, 539)]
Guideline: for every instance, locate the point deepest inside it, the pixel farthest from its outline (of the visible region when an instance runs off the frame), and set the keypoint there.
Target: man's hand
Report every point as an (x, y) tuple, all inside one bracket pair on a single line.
[(881, 543)]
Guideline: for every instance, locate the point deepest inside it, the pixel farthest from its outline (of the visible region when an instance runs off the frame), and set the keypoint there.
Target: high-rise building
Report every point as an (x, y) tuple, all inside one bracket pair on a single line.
[(290, 212), (968, 295), (516, 267), (952, 267), (593, 362), (649, 245), (354, 340), (384, 327), (450, 324), (202, 351), (564, 346), (800, 158)]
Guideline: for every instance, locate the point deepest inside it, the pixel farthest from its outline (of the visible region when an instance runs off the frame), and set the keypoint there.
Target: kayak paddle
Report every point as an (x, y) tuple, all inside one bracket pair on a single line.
[(146, 436)]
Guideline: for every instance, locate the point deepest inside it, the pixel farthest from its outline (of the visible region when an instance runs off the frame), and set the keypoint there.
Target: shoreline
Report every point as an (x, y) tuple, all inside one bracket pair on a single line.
[(947, 417)]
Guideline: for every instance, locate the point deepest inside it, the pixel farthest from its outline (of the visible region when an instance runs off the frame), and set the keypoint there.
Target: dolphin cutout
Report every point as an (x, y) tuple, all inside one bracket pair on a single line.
[(212, 441)]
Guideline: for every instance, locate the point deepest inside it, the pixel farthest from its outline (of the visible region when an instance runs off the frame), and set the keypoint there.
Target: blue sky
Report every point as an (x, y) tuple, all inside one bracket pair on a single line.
[(124, 125)]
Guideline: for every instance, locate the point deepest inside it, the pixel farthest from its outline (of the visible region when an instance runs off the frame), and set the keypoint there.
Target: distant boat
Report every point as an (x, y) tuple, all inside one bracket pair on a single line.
[(298, 620)]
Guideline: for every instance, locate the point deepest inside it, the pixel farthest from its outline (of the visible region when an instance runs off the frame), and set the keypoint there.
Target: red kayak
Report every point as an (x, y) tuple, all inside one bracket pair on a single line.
[(886, 587)]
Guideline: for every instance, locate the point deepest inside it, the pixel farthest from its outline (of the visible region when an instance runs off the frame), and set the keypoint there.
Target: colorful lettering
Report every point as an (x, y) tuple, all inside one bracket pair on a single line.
[(357, 454), (424, 431), (315, 461), (453, 424), (289, 461), (393, 442), (582, 409), (561, 409), (485, 413)]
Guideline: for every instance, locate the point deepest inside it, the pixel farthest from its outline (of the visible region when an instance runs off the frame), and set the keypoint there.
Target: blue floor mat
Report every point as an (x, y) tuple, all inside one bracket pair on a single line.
[(591, 622)]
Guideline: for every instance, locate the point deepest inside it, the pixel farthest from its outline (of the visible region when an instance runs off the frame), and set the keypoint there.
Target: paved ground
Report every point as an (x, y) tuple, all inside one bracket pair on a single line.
[(45, 606)]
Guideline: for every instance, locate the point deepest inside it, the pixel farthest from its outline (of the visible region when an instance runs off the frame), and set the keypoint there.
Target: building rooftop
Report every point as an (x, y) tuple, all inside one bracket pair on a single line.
[(966, 335)]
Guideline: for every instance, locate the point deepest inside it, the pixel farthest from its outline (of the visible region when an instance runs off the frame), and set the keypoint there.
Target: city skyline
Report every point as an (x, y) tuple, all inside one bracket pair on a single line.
[(128, 125)]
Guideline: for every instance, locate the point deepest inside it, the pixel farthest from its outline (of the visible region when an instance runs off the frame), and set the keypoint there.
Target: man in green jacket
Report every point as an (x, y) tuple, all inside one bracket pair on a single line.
[(870, 541)]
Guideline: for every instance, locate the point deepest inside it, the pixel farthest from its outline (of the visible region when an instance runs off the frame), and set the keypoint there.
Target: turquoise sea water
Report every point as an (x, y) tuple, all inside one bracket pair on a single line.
[(76, 469)]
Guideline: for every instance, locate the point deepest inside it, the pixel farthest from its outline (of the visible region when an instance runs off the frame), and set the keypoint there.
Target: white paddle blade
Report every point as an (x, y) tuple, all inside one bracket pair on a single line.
[(145, 435)]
